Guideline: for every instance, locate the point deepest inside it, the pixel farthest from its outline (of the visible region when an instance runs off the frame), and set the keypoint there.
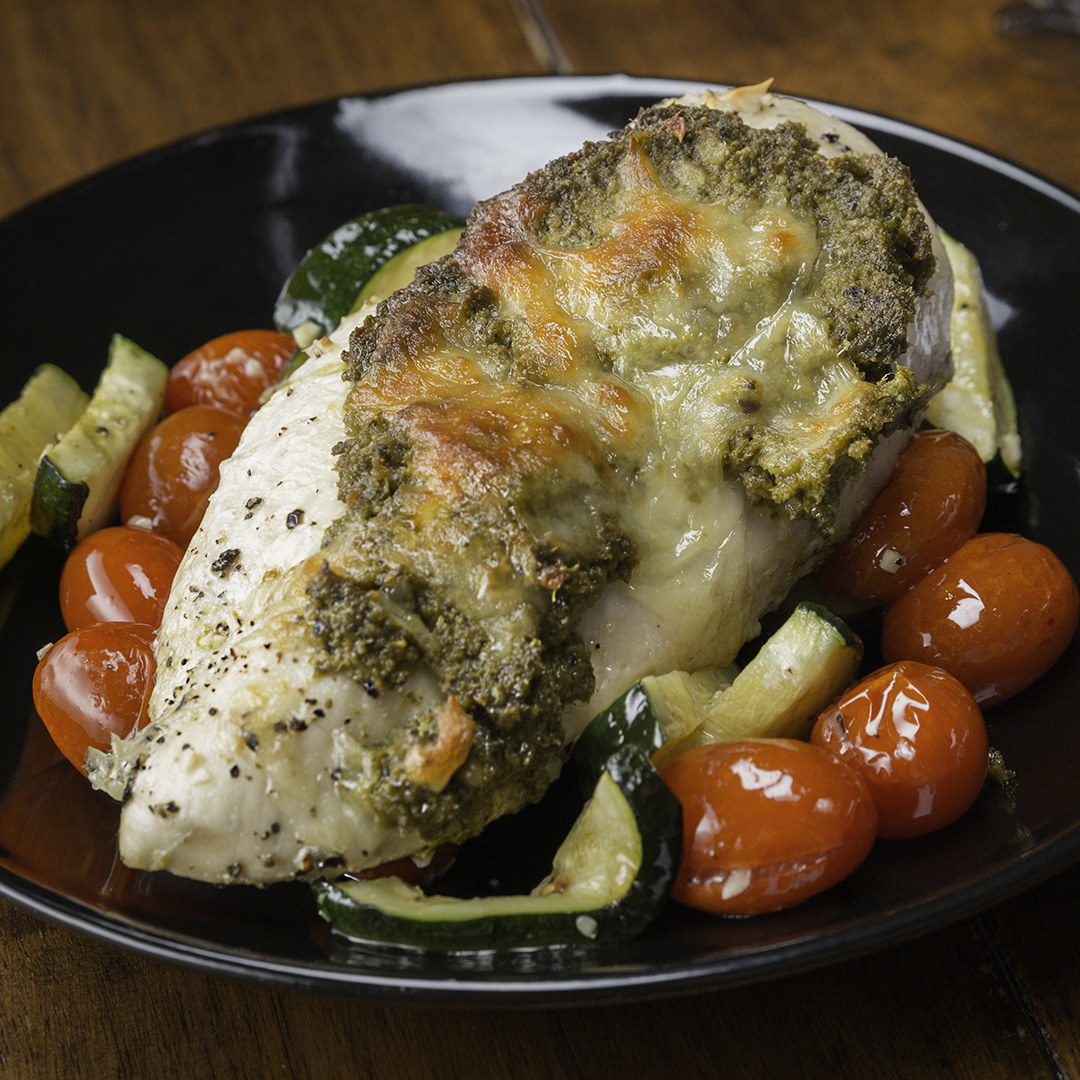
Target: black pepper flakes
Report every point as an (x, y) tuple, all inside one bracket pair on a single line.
[(234, 772), (296, 517), (224, 562)]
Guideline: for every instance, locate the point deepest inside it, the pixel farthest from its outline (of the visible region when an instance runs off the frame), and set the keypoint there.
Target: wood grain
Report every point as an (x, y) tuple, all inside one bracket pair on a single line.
[(940, 65), (1040, 934), (881, 1016), (84, 83)]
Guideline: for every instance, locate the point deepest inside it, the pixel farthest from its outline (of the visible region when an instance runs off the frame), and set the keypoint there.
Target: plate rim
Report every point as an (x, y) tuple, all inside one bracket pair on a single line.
[(1050, 857)]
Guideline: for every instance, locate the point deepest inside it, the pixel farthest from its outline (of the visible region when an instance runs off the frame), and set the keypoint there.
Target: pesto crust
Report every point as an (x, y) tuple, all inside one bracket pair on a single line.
[(500, 422), (877, 253)]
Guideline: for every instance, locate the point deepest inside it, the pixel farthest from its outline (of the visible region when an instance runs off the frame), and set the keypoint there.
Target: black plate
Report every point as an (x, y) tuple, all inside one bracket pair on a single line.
[(194, 240)]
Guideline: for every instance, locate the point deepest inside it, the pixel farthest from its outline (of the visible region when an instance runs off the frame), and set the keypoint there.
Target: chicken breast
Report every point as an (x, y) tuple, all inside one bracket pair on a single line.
[(651, 387)]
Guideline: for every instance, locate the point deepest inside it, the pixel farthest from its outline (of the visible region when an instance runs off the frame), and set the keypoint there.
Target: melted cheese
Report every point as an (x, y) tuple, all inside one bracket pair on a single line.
[(259, 762)]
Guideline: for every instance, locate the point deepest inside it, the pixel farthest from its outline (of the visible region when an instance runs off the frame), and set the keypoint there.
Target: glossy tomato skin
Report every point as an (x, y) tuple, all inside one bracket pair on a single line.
[(931, 504), (409, 870), (919, 739), (93, 683), (174, 470), (996, 615), (118, 574), (767, 823), (230, 372)]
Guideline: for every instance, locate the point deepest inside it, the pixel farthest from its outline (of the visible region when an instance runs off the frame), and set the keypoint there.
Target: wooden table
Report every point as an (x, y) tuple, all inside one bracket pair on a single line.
[(84, 83)]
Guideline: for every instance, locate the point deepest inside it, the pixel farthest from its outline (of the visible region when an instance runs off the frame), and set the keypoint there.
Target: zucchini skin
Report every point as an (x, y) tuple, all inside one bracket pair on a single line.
[(58, 505), (322, 289), (658, 819), (630, 720), (78, 478)]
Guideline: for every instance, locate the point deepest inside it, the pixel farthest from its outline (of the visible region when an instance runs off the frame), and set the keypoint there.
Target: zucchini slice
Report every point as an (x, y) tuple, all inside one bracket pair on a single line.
[(78, 479), (50, 402), (658, 714), (326, 285), (978, 401), (609, 879), (401, 269), (799, 670)]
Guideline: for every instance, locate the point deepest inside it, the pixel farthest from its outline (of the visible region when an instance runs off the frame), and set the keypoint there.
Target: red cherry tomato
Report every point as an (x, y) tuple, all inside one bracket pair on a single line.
[(919, 740), (767, 823), (410, 871), (996, 615), (118, 574), (933, 502), (174, 470), (230, 372), (93, 683)]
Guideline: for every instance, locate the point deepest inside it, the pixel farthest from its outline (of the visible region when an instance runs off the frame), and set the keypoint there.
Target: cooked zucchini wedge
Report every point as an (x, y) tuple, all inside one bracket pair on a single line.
[(978, 401), (658, 714), (78, 479), (326, 285), (797, 671), (401, 269), (794, 675), (50, 402), (609, 879)]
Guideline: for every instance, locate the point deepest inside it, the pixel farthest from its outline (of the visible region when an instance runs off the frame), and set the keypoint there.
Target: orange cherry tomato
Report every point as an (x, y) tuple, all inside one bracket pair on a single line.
[(919, 740), (767, 823), (933, 502), (118, 574), (996, 614), (174, 470), (93, 683), (231, 372)]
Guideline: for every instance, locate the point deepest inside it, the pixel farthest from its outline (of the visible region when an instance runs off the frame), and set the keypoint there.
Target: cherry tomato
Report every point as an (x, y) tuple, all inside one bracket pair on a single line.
[(174, 470), (409, 870), (919, 740), (933, 502), (767, 823), (118, 574), (995, 614), (93, 683), (230, 372)]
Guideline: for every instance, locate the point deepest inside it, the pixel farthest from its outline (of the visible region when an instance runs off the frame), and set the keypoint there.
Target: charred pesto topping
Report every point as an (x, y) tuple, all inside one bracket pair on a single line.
[(379, 624), (691, 301), (876, 247)]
